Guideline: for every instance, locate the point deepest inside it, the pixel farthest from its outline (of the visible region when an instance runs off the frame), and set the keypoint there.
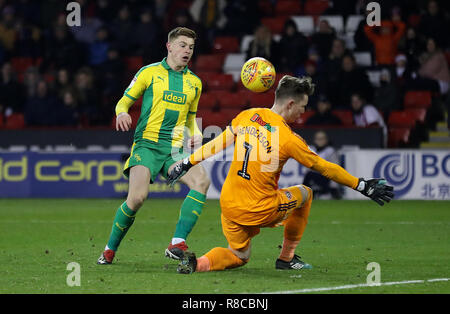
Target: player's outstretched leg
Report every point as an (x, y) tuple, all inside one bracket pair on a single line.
[(126, 213), (191, 209), (218, 258), (294, 226)]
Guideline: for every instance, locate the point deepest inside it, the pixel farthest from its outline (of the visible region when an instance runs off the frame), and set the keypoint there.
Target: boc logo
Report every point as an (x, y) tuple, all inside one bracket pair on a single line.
[(399, 171)]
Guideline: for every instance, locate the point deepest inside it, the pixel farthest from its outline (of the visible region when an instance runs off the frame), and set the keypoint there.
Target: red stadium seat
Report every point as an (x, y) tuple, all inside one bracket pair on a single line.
[(15, 121), (207, 101), (212, 118), (303, 118), (21, 64), (275, 24), (346, 116), (220, 82), (419, 114), (398, 137), (417, 99), (265, 7), (134, 63), (230, 113), (226, 44), (288, 8), (231, 100), (315, 7), (209, 63), (401, 119), (264, 100), (1, 121)]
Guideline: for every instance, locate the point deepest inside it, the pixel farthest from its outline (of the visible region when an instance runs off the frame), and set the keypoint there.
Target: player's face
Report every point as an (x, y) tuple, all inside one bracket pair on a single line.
[(297, 109), (180, 50)]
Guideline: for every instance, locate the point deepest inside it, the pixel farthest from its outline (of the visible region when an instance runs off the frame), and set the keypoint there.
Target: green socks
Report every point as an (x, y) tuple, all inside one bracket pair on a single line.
[(122, 222), (189, 213)]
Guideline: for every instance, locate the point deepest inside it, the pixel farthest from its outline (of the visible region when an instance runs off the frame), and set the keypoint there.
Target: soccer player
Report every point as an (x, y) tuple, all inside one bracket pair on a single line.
[(170, 94), (250, 197)]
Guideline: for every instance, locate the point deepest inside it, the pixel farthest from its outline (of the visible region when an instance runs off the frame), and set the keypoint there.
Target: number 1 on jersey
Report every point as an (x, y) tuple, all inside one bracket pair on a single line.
[(243, 172)]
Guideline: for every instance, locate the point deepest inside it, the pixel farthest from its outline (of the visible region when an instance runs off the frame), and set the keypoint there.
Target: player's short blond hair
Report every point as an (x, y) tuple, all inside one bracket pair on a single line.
[(181, 31), (290, 86)]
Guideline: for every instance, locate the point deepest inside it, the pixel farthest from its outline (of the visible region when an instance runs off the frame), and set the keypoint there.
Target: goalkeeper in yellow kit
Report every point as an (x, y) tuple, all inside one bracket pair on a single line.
[(170, 94), (250, 198)]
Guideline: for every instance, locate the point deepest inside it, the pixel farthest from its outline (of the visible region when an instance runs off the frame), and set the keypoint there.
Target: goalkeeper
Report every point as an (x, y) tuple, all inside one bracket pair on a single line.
[(250, 198), (170, 94)]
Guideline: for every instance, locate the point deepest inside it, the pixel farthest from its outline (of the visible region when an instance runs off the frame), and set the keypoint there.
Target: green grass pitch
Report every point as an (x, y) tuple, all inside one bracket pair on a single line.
[(410, 240)]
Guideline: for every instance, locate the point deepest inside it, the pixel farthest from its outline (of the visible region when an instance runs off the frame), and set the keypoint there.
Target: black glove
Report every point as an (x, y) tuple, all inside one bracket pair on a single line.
[(178, 171), (376, 190)]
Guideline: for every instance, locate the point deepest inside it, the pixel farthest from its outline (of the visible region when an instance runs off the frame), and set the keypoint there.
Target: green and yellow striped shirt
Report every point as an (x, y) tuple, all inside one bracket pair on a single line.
[(169, 103)]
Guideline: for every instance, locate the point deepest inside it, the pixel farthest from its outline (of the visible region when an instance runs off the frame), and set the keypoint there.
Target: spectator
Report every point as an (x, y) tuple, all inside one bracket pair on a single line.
[(66, 109), (434, 23), (318, 78), (40, 108), (323, 39), (62, 80), (28, 41), (412, 47), (145, 35), (7, 28), (351, 79), (387, 97), (86, 33), (30, 82), (323, 115), (293, 47), (11, 92), (434, 66), (98, 50), (332, 65), (122, 29), (62, 50), (87, 96), (362, 43), (263, 45), (322, 187), (386, 41), (240, 17), (366, 115)]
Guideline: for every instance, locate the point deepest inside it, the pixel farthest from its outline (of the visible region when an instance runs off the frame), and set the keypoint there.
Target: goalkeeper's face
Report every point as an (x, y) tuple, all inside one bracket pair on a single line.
[(180, 50)]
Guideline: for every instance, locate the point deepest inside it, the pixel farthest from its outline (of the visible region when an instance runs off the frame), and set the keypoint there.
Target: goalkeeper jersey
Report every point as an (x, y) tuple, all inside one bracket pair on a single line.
[(169, 103)]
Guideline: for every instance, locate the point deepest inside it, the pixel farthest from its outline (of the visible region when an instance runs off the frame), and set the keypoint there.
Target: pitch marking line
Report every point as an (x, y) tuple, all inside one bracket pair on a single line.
[(362, 285)]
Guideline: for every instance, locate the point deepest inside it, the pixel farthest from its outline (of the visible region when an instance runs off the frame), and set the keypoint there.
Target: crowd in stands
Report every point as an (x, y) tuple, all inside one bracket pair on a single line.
[(60, 75)]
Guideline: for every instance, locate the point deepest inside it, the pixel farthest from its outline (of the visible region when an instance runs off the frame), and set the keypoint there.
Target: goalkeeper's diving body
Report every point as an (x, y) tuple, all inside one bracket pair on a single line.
[(250, 198), (170, 94)]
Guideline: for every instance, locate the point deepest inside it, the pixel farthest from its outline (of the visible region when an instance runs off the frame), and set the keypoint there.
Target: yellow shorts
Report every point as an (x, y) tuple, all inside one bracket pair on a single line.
[(288, 199)]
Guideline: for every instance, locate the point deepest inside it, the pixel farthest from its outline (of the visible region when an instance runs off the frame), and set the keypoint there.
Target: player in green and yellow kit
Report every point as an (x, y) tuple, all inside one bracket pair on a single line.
[(170, 94)]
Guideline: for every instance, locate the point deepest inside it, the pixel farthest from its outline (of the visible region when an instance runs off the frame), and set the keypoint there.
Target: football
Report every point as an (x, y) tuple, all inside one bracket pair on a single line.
[(258, 74)]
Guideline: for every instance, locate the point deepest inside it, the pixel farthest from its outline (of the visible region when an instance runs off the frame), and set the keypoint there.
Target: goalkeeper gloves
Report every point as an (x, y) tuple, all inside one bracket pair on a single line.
[(376, 189), (178, 171)]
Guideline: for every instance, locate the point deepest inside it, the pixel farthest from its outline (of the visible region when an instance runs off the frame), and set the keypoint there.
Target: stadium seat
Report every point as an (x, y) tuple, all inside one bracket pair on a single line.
[(315, 7), (287, 8), (265, 7), (275, 24), (1, 121), (134, 63), (264, 100), (352, 23), (245, 42), (207, 101), (231, 100), (346, 116), (417, 99), (15, 121), (216, 81), (226, 44), (303, 118), (234, 62), (401, 119), (418, 114), (207, 118), (305, 24), (335, 21), (21, 64), (230, 113), (398, 137), (209, 63), (363, 58)]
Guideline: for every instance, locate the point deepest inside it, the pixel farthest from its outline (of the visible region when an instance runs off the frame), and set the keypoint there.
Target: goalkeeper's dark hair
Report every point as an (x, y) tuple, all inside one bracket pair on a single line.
[(290, 86), (181, 31)]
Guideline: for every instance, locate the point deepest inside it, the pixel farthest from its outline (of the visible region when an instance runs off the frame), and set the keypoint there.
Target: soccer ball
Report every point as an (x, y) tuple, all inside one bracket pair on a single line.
[(258, 74)]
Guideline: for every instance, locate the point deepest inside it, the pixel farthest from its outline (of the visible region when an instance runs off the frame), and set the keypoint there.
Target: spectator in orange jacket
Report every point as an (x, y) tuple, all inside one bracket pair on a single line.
[(386, 41)]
